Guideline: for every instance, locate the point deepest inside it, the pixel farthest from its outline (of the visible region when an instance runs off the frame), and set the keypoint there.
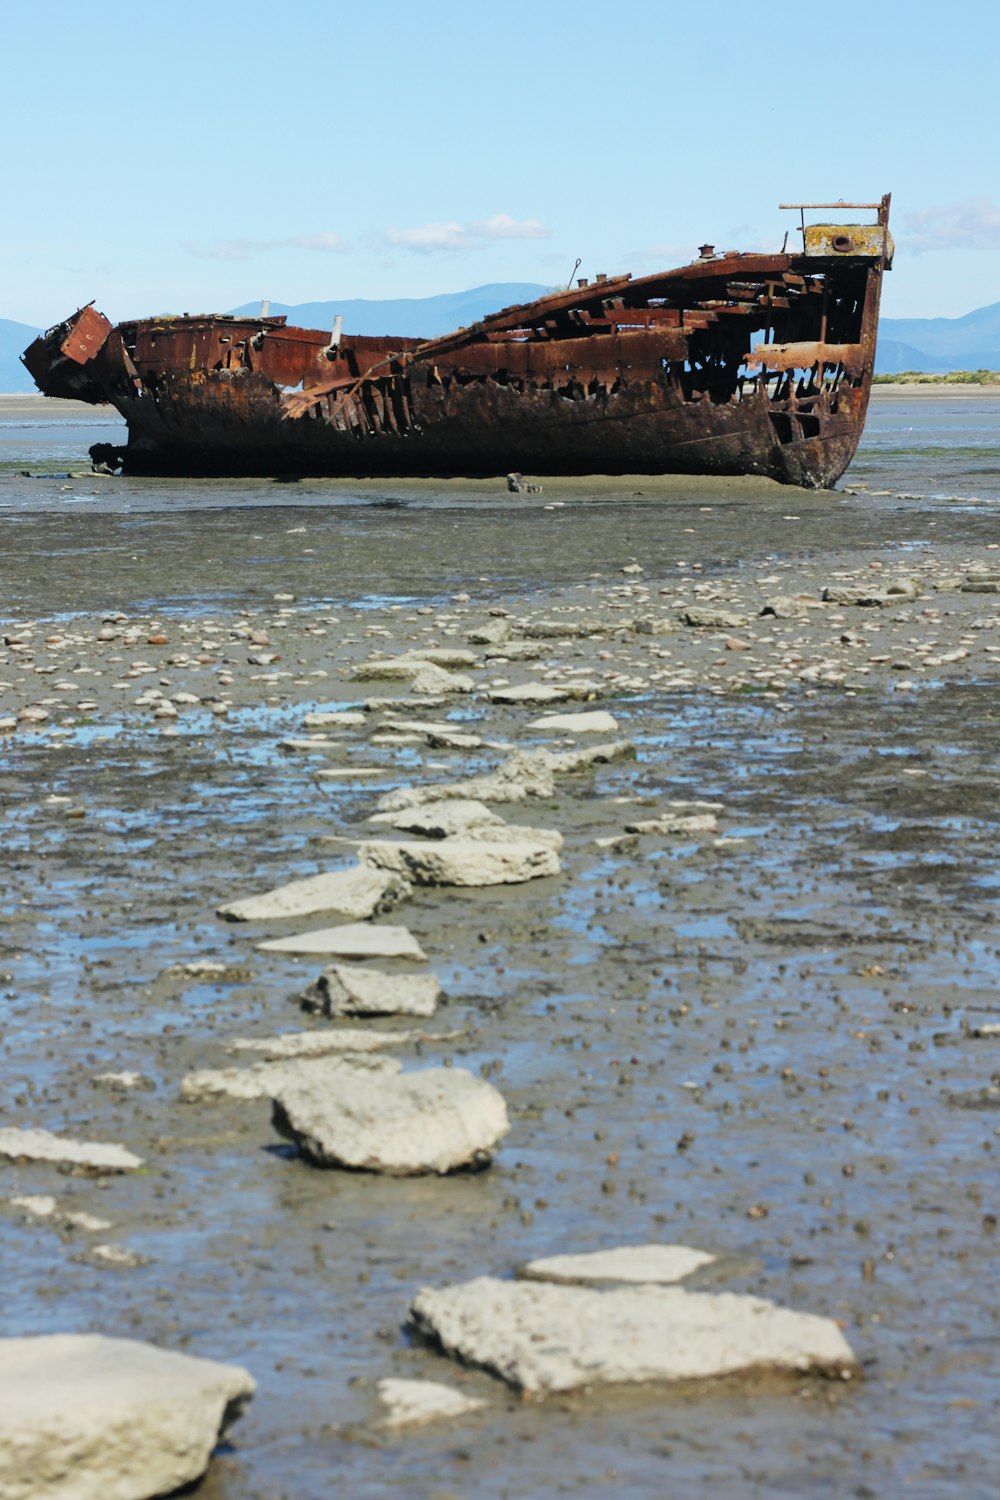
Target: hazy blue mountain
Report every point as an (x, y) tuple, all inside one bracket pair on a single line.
[(893, 356), (14, 337), (406, 317), (971, 342)]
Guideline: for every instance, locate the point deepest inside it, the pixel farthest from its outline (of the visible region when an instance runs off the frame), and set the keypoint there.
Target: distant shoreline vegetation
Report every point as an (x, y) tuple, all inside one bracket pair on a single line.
[(952, 377)]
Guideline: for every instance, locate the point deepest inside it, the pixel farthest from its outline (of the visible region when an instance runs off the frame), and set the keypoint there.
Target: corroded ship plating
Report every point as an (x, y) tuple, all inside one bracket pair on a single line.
[(735, 364)]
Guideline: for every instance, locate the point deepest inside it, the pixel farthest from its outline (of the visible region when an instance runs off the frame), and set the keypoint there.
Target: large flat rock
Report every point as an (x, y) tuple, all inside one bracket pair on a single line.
[(350, 990), (359, 892), (85, 1417), (464, 861), (404, 1125), (352, 940), (542, 1337), (93, 1158)]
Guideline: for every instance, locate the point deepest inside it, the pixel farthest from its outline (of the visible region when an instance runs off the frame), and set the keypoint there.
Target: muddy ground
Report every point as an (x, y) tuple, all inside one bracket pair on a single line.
[(772, 1041)]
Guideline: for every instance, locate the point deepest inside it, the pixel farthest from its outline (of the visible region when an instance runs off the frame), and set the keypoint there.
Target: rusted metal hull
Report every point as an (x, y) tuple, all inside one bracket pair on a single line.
[(735, 364)]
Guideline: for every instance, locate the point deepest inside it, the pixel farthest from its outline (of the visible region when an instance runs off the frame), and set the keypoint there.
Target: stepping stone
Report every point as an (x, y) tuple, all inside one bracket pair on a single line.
[(680, 824), (712, 619), (92, 1158), (345, 772), (359, 892), (344, 990), (597, 722), (403, 1125), (85, 1417), (464, 861), (648, 1264), (440, 820), (528, 692), (411, 1402), (346, 719), (353, 940), (557, 1338)]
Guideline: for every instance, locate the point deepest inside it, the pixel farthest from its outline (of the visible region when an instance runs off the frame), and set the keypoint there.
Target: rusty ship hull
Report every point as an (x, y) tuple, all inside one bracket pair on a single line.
[(738, 363)]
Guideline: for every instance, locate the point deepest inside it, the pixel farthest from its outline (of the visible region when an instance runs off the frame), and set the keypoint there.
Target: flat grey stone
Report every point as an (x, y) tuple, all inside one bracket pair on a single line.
[(490, 634), (648, 1264), (529, 692), (93, 1158), (350, 990), (515, 651), (327, 1042), (495, 788), (447, 656), (402, 1125), (314, 745), (388, 669), (877, 594), (679, 823), (555, 1338), (359, 892), (789, 606), (345, 719), (703, 618), (352, 940), (464, 861), (410, 1403), (43, 1206), (598, 722), (85, 1417), (439, 820), (554, 630), (453, 739), (565, 762), (422, 674)]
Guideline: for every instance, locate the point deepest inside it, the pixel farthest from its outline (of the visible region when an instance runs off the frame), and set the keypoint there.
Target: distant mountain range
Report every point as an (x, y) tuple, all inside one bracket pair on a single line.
[(934, 345), (13, 338), (407, 317)]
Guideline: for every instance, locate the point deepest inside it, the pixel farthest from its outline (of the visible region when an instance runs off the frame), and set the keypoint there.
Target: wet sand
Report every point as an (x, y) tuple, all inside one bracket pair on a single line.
[(772, 1041)]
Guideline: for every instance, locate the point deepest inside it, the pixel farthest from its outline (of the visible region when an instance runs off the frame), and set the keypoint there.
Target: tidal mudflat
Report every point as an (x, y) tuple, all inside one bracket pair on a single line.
[(721, 940)]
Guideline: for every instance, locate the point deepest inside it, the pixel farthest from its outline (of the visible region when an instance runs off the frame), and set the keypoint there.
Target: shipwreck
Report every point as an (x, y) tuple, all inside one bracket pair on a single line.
[(737, 363)]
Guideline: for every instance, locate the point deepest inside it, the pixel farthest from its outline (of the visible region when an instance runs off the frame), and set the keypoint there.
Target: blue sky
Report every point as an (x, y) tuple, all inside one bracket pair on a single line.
[(193, 156)]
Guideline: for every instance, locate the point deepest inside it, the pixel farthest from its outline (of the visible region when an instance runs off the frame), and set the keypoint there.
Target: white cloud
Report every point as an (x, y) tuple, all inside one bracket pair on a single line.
[(321, 242), (973, 224), (503, 227), (246, 249), (428, 238), (431, 237)]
